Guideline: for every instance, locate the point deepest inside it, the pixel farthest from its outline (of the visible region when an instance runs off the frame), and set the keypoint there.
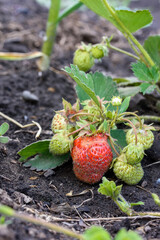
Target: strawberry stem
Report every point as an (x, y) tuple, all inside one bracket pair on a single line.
[(112, 143), (134, 114), (134, 128), (78, 130), (122, 51)]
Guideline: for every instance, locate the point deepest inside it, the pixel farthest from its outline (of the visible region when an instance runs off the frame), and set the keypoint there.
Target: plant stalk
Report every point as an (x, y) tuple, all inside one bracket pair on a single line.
[(44, 61), (134, 114), (124, 206), (134, 128)]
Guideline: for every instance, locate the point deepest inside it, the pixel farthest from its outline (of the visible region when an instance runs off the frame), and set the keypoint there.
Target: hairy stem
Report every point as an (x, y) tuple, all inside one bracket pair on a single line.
[(145, 117), (78, 130), (112, 144), (134, 128), (122, 51), (134, 114)]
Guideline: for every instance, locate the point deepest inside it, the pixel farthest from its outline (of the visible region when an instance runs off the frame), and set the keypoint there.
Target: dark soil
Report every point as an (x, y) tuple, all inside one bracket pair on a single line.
[(22, 27)]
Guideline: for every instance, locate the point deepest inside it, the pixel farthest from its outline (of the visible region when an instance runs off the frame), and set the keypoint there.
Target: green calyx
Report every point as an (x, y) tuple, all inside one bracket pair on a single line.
[(134, 153), (130, 174), (83, 59)]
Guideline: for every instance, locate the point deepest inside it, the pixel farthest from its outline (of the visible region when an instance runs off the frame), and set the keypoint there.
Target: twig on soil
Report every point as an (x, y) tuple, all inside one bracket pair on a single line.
[(143, 189), (23, 126), (87, 200), (6, 178), (80, 215), (149, 165), (90, 219)]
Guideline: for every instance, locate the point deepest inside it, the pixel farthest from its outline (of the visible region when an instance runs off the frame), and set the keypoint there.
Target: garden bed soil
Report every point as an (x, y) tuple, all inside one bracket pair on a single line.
[(44, 195)]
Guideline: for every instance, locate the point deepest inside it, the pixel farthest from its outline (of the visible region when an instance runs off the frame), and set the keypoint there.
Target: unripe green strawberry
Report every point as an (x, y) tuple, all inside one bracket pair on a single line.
[(144, 137), (98, 51), (94, 111), (83, 60), (58, 123), (130, 174), (60, 143), (91, 156), (91, 108), (134, 153)]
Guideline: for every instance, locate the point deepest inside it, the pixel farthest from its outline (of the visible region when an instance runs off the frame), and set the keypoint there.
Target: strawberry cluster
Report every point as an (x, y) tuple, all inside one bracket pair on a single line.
[(127, 166), (85, 133), (85, 55)]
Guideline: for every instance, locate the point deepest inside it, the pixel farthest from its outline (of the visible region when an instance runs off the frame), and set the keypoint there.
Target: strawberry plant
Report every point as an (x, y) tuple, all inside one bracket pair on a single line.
[(88, 131), (146, 69)]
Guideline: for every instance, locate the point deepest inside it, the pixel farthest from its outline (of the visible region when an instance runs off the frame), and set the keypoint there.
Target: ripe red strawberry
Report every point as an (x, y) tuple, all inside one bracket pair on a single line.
[(91, 156)]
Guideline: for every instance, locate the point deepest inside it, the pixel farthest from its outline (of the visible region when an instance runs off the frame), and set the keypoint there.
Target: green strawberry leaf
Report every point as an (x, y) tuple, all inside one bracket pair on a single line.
[(41, 159), (45, 161), (91, 85), (109, 189), (128, 91), (130, 235), (147, 88), (4, 128), (128, 81), (4, 139), (37, 147), (103, 86), (137, 203), (132, 20), (152, 45), (125, 105), (120, 140), (96, 233), (144, 73), (83, 80)]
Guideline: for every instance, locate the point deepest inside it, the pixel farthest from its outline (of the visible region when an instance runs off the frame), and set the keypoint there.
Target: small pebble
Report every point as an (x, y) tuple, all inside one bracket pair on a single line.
[(158, 181), (49, 173), (144, 184), (147, 229), (28, 96), (25, 118), (23, 10), (83, 209)]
